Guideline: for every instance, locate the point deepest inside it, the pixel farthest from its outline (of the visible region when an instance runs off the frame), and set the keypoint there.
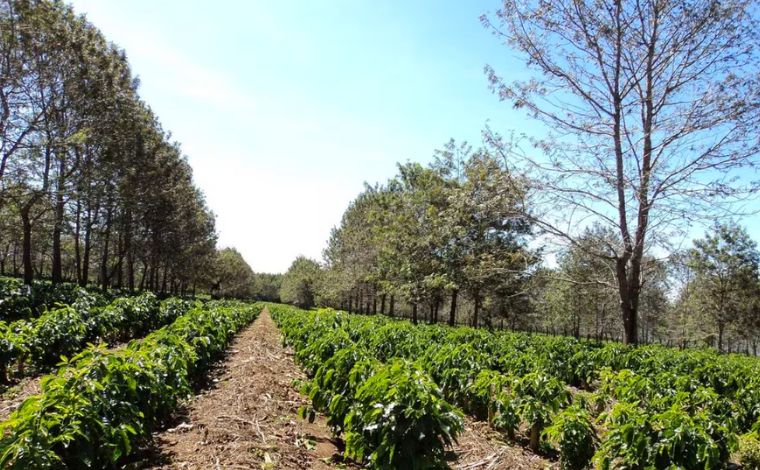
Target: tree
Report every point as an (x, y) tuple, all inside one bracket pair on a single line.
[(586, 285), (652, 108), (94, 189), (432, 231), (407, 224), (267, 287), (234, 278), (351, 256), (482, 233), (300, 283), (725, 264)]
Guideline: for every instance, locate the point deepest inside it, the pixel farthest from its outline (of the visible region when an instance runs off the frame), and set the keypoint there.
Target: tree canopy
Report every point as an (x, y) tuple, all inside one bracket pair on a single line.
[(92, 189), (651, 110)]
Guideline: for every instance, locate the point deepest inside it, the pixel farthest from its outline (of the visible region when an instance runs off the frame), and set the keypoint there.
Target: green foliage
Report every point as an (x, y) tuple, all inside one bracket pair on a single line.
[(266, 287), (57, 333), (233, 277), (638, 438), (749, 450), (20, 301), (390, 414), (650, 405), (64, 331), (455, 367), (573, 431), (400, 419), (539, 396), (334, 384), (490, 396), (101, 403), (726, 264), (15, 299), (14, 344), (299, 284)]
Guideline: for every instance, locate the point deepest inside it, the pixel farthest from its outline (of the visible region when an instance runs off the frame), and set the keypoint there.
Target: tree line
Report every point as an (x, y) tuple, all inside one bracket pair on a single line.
[(92, 188), (649, 113), (433, 244)]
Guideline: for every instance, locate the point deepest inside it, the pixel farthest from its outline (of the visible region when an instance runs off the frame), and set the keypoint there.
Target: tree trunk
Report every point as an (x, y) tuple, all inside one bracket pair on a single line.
[(144, 277), (453, 309), (629, 293), (87, 248), (414, 313), (163, 280), (27, 246), (106, 249), (476, 310), (57, 274), (382, 304), (392, 305), (128, 250), (77, 243), (535, 437)]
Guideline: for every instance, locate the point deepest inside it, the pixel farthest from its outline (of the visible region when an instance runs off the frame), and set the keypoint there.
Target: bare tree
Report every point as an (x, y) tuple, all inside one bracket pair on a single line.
[(652, 113)]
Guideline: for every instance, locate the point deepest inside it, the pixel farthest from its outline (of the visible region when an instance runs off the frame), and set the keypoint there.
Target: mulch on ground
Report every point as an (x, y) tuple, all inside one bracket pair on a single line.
[(481, 448), (16, 394), (249, 418)]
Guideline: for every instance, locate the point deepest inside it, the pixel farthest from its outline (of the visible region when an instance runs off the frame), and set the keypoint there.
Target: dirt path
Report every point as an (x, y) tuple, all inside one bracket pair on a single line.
[(481, 448), (249, 419), (16, 394)]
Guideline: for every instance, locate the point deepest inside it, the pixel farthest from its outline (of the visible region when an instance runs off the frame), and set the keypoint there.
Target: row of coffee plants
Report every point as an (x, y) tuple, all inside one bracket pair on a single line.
[(618, 406), (20, 301), (391, 415), (63, 331), (101, 404)]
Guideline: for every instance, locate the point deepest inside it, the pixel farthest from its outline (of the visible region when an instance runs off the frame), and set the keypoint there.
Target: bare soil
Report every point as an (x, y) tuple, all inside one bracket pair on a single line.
[(481, 448), (16, 394), (249, 418)]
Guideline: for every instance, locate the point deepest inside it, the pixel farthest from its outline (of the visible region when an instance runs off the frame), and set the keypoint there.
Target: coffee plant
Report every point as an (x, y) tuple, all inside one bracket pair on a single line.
[(101, 403), (615, 405)]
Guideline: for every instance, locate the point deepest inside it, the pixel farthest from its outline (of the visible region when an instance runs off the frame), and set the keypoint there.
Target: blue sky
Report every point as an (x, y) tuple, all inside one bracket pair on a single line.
[(285, 108)]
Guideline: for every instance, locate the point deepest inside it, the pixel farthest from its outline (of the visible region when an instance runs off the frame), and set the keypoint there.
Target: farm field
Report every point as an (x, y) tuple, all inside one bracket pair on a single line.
[(394, 392), (101, 404), (181, 409), (250, 418), (34, 344), (472, 235)]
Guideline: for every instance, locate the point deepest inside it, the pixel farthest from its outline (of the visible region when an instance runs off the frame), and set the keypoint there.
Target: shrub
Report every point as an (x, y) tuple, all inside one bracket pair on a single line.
[(749, 451), (96, 409), (538, 397), (638, 438), (573, 432), (57, 333), (400, 420)]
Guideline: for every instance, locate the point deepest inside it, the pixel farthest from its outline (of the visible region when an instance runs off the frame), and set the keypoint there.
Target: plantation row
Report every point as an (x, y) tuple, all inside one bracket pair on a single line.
[(391, 414), (20, 301), (65, 330), (101, 404), (389, 387)]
